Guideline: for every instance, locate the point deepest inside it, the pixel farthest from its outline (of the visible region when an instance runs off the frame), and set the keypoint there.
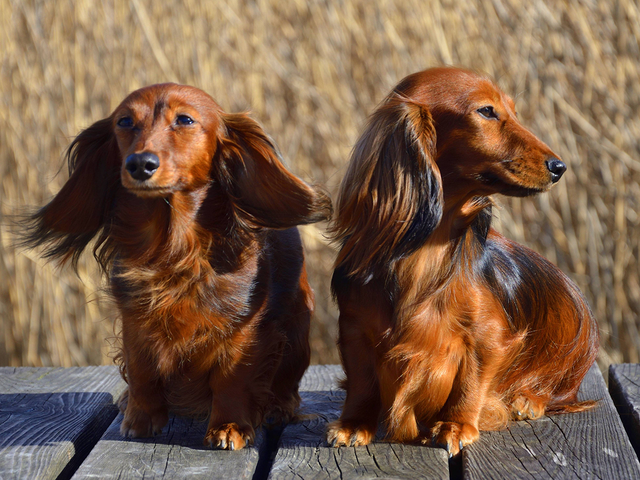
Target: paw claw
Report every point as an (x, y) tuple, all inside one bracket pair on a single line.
[(229, 436), (341, 433), (140, 423), (525, 407), (453, 436)]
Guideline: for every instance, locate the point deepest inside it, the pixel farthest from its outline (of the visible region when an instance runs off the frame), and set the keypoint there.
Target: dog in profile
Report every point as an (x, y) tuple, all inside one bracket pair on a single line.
[(446, 327), (193, 216)]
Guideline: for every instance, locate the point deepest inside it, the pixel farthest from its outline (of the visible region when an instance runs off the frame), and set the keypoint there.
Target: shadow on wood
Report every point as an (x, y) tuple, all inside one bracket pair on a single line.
[(52, 417)]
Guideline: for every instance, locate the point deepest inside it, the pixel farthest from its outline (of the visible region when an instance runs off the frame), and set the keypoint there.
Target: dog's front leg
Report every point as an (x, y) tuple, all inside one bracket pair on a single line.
[(143, 403), (233, 411), (364, 322), (472, 400)]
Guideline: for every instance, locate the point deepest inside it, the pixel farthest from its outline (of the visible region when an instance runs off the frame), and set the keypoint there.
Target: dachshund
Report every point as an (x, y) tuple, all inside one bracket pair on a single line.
[(446, 327), (194, 218)]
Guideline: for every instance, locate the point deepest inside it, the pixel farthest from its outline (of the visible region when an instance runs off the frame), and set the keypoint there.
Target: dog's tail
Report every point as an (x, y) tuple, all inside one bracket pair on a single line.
[(571, 407)]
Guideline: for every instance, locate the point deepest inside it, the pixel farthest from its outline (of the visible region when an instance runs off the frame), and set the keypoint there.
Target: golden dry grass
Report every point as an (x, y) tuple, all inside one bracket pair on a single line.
[(311, 72)]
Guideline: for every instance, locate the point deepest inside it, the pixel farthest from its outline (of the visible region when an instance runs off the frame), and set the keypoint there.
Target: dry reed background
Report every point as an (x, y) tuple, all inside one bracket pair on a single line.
[(311, 72)]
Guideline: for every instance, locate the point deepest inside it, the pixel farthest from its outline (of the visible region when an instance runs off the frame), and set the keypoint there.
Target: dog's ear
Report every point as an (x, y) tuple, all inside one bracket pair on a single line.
[(80, 209), (391, 197), (264, 192)]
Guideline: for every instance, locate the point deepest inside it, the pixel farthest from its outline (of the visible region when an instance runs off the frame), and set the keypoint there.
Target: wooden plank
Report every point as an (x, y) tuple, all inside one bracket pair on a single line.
[(50, 418), (178, 453), (304, 453), (582, 445), (624, 387)]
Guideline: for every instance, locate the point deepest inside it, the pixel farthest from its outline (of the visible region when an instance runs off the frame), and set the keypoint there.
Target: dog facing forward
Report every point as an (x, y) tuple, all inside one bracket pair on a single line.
[(193, 216), (447, 327)]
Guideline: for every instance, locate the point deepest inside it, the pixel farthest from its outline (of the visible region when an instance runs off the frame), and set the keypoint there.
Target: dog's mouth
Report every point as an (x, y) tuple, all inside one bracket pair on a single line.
[(152, 192), (156, 186), (500, 185), (143, 189)]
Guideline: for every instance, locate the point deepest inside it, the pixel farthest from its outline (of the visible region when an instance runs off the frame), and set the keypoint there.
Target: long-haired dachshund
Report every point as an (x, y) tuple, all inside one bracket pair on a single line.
[(193, 216), (447, 327)]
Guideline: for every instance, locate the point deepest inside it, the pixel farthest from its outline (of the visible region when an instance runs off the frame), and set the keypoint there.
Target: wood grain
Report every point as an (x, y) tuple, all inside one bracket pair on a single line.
[(50, 418), (585, 445), (303, 452), (178, 453), (624, 387)]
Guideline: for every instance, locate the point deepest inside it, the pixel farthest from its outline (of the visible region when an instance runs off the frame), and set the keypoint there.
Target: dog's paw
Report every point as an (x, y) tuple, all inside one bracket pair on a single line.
[(140, 424), (229, 436), (452, 436), (527, 408), (340, 433)]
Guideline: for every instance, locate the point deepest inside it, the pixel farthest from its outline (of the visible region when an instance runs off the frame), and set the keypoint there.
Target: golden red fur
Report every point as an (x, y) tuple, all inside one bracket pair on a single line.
[(194, 218), (446, 326)]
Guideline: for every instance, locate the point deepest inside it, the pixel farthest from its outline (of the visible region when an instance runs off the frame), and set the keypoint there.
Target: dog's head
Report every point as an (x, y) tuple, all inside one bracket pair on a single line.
[(174, 138), (167, 137), (441, 140), (481, 146)]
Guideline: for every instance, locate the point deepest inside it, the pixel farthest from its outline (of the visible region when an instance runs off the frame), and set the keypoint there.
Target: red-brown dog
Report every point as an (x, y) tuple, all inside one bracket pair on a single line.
[(447, 327), (193, 215)]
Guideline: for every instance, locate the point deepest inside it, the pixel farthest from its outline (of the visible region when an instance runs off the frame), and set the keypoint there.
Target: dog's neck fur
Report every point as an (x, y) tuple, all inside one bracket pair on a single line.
[(447, 253), (183, 254)]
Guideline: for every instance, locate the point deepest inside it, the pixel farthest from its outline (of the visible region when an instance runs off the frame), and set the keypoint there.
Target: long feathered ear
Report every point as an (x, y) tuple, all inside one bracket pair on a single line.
[(80, 210), (264, 192), (391, 197)]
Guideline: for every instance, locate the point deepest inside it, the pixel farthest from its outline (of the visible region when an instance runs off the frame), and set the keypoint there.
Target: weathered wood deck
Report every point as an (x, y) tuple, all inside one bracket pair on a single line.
[(63, 423)]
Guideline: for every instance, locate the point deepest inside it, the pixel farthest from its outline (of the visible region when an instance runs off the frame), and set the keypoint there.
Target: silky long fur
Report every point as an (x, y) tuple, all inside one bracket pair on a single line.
[(203, 258), (446, 326)]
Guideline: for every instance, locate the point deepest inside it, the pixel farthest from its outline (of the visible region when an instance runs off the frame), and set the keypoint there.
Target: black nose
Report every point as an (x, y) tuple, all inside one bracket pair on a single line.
[(557, 168), (142, 166)]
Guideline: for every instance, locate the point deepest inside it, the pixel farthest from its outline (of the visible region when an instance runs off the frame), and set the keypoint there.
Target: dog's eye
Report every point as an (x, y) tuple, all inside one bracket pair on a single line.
[(125, 122), (184, 120), (488, 112)]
